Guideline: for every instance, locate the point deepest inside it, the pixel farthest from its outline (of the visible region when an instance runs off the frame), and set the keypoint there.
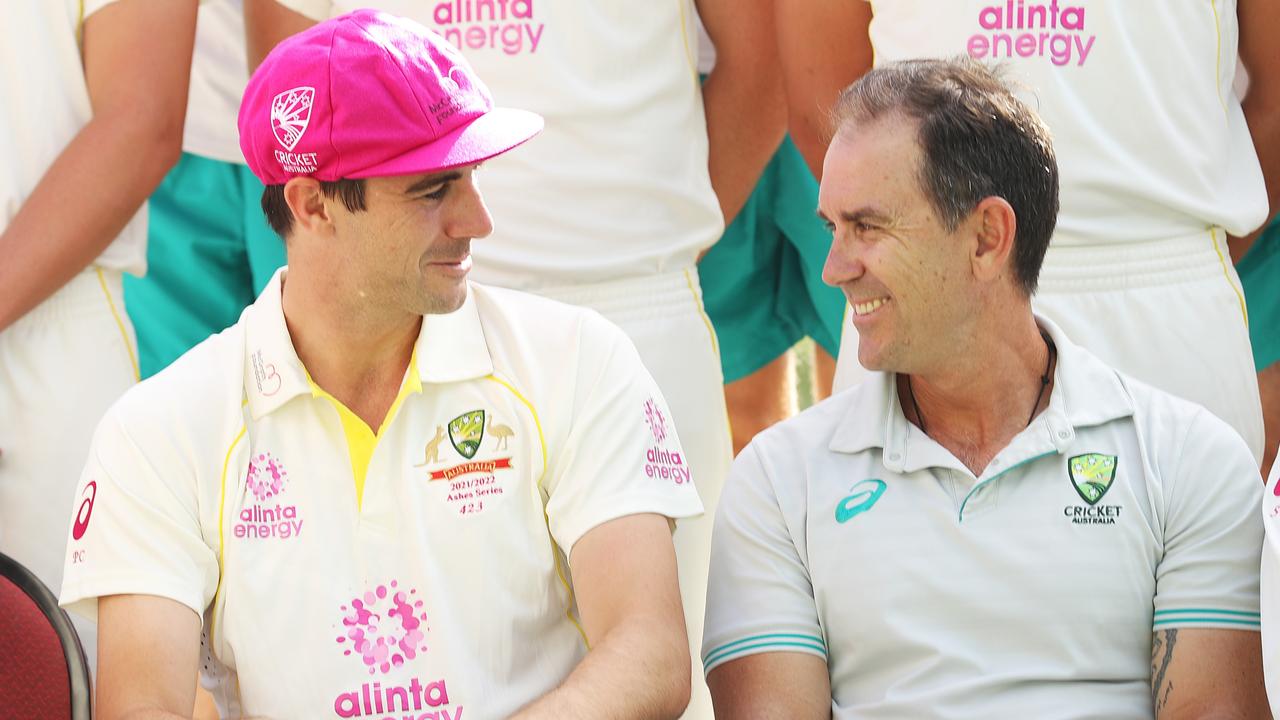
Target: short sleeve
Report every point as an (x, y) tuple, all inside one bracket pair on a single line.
[(621, 455), (317, 10), (135, 528), (759, 595), (1209, 573), (1271, 588)]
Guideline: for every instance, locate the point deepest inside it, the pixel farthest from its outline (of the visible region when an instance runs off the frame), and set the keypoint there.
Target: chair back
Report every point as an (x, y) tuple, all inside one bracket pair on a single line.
[(43, 673)]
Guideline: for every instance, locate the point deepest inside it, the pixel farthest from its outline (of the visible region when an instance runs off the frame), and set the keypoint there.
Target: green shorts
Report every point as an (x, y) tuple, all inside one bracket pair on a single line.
[(762, 283), (209, 253), (1260, 275)]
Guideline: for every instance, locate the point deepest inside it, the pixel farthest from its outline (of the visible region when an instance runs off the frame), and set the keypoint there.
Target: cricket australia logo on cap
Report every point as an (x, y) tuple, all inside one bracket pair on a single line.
[(1092, 475), (290, 115)]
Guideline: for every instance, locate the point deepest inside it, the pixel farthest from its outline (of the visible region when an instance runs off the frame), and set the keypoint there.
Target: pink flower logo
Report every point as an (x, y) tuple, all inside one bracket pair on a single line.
[(266, 476), (656, 420), (383, 628)]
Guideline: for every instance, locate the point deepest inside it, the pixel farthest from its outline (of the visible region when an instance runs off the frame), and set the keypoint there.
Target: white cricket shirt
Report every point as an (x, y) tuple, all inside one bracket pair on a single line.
[(44, 103), (436, 582), (1030, 591), (617, 185), (1151, 140)]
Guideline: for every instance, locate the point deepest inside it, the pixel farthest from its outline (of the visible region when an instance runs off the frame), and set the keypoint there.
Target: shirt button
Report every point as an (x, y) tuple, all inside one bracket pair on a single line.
[(1064, 434), (895, 456)]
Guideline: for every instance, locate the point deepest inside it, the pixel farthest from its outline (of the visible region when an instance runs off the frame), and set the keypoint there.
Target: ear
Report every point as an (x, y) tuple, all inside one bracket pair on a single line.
[(307, 203), (994, 226)]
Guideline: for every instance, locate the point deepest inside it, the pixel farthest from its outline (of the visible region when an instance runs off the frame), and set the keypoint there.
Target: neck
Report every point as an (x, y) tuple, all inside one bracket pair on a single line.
[(355, 352), (981, 394)]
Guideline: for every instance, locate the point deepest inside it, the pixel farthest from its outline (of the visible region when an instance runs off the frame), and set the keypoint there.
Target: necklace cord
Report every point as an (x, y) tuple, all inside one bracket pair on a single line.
[(1044, 383)]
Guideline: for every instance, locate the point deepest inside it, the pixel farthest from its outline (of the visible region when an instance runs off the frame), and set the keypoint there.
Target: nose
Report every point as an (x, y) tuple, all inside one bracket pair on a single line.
[(470, 218), (844, 262)]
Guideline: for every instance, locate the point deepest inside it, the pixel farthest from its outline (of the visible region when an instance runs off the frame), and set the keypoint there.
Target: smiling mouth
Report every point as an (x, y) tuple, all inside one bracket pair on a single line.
[(868, 307)]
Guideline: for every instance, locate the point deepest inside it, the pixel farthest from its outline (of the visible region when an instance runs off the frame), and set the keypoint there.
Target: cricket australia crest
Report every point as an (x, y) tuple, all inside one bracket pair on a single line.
[(1092, 475), (466, 432)]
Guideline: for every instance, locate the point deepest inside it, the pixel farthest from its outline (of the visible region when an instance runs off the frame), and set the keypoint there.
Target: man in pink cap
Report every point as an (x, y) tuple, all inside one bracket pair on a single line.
[(386, 492)]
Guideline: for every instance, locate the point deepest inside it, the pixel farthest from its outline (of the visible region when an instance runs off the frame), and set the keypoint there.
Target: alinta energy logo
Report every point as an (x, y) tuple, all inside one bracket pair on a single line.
[(661, 460), (506, 25), (290, 116), (1092, 475), (261, 519), (386, 628), (1027, 29)]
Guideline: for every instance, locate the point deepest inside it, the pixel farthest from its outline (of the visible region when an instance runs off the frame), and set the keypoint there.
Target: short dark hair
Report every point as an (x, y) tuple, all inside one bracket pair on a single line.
[(280, 217), (977, 141)]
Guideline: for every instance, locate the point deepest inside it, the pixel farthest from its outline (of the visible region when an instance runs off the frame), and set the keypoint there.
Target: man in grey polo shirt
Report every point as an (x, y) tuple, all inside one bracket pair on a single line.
[(997, 525)]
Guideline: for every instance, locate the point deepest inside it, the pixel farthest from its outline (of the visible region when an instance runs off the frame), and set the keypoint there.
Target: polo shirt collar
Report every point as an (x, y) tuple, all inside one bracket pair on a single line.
[(449, 348), (1086, 392)]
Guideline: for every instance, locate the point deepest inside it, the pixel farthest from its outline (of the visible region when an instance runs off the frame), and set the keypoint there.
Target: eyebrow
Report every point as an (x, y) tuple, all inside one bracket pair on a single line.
[(434, 180), (859, 215)]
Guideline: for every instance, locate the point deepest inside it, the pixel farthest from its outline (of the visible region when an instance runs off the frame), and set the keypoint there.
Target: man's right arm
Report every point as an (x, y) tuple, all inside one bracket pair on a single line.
[(267, 22), (824, 46), (148, 651)]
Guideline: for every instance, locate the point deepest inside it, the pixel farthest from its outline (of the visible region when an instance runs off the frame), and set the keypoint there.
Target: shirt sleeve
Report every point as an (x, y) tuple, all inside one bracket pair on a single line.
[(317, 10), (135, 528), (1209, 573), (759, 595), (1271, 588), (621, 455)]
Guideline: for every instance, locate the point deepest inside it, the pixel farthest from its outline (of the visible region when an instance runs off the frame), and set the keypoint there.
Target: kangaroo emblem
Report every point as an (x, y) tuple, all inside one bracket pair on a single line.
[(501, 433), (433, 448)]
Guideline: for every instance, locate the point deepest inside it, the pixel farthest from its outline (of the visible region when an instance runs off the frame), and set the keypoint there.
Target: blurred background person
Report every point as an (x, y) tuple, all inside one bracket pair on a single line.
[(763, 287), (94, 95)]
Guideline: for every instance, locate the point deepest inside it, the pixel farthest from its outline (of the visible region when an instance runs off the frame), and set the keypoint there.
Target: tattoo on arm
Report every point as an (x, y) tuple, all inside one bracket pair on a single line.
[(1162, 643)]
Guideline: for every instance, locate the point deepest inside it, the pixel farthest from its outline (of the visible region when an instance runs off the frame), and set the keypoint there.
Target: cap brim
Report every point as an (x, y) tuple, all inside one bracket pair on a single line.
[(489, 135)]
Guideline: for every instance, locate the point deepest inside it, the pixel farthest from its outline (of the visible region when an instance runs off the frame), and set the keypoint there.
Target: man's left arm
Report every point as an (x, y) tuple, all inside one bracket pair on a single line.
[(745, 103), (1259, 28), (624, 576)]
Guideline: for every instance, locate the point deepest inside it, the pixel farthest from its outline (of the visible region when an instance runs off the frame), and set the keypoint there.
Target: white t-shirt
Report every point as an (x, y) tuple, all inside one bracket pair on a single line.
[(617, 186), (1151, 140), (219, 73), (44, 103), (1271, 588), (437, 584), (1030, 591)]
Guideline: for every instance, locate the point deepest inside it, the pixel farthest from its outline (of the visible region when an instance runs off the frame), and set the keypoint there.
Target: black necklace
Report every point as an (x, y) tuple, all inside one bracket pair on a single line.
[(1044, 383)]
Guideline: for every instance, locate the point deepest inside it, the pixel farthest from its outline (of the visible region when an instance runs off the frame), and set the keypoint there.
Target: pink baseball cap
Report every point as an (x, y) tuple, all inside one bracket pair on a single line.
[(368, 94)]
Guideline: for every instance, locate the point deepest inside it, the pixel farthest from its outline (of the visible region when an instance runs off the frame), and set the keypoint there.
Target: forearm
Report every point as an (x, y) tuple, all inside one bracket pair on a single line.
[(823, 46), (746, 120), (632, 674), (1262, 112), (80, 205)]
